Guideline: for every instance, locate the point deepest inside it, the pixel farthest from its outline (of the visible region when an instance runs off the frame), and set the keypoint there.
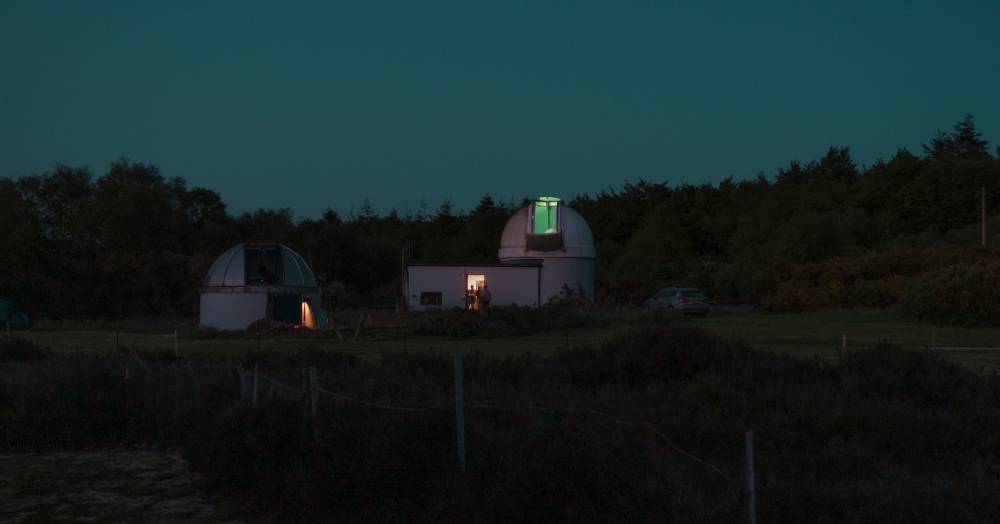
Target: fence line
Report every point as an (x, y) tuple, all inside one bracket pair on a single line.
[(614, 418)]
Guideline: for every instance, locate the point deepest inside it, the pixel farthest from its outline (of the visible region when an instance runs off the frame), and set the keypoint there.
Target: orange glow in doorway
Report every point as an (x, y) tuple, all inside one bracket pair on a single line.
[(308, 320)]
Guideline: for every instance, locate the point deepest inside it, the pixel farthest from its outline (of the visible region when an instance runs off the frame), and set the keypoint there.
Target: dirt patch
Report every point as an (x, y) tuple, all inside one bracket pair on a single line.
[(104, 487)]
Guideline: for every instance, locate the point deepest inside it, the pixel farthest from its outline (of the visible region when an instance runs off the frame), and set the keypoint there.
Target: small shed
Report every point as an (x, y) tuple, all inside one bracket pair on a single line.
[(250, 282)]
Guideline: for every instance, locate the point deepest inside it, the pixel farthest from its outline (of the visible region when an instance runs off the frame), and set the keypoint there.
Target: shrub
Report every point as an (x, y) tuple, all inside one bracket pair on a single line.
[(19, 349), (965, 294)]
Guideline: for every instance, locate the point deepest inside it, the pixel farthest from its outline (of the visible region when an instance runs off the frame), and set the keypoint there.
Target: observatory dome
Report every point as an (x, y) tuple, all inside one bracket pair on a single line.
[(259, 265), (546, 228)]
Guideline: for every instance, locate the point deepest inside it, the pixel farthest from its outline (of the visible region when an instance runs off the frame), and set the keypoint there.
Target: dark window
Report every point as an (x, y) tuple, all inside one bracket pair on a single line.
[(264, 266), (287, 308), (430, 298), (692, 293)]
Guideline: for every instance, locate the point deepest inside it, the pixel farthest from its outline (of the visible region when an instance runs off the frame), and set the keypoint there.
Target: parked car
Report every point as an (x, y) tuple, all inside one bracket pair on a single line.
[(687, 300)]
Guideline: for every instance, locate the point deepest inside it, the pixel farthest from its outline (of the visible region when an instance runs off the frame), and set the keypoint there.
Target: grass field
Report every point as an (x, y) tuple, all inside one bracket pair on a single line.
[(820, 333), (803, 335)]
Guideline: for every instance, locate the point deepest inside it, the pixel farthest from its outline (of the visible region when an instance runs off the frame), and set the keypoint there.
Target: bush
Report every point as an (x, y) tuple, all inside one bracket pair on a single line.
[(966, 294), (22, 350), (501, 321)]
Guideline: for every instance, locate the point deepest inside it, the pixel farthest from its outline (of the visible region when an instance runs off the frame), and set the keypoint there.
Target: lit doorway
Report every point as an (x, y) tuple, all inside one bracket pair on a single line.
[(473, 284)]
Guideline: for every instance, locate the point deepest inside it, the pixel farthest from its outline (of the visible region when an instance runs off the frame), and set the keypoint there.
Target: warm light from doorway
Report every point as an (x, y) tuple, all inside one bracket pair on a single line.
[(308, 320)]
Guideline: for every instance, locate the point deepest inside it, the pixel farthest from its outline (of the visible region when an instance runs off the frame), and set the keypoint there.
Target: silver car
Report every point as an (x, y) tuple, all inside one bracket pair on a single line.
[(687, 300)]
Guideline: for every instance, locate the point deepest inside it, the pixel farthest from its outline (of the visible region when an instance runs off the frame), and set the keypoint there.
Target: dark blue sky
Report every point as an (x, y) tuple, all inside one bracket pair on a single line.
[(281, 104)]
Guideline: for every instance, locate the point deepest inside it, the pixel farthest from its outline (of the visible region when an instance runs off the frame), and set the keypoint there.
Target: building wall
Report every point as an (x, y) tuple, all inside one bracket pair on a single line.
[(514, 285), (232, 311), (570, 271)]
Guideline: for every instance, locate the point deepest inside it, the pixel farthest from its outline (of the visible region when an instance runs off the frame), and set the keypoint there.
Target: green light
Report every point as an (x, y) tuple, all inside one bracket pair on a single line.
[(545, 215)]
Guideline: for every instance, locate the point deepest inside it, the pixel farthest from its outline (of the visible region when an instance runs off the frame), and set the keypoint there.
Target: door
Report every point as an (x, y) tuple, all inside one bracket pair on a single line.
[(288, 308)]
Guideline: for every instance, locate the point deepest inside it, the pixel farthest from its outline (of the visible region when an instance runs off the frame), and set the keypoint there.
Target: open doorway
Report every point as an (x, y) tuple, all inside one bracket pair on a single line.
[(473, 285)]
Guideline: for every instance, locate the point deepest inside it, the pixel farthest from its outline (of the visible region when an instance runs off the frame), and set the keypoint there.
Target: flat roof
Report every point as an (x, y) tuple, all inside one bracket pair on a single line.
[(525, 263)]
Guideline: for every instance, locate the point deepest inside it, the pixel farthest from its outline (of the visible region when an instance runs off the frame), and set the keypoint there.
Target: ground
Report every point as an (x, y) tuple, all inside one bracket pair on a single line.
[(151, 487), (103, 487), (804, 334)]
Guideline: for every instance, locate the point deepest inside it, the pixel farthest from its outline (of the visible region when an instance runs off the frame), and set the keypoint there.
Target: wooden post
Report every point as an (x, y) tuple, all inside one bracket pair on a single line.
[(314, 399), (126, 388), (459, 411), (255, 374), (175, 343), (750, 481), (305, 407), (357, 331)]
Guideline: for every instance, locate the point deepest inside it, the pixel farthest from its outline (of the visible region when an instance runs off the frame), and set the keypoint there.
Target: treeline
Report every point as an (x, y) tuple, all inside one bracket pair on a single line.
[(826, 233)]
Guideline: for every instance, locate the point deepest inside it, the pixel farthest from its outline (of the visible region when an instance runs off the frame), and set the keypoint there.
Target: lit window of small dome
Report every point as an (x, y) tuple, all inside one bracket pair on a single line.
[(546, 228)]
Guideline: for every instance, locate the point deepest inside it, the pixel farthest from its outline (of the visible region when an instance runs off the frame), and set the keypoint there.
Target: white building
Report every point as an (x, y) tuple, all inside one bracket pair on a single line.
[(260, 281), (544, 247)]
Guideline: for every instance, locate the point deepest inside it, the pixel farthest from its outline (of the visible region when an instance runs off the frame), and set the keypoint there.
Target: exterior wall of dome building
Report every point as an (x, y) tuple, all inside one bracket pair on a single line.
[(250, 282), (544, 247), (549, 231)]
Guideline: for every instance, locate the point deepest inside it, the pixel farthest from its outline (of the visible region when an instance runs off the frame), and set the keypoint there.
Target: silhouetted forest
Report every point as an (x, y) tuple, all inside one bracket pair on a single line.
[(826, 233)]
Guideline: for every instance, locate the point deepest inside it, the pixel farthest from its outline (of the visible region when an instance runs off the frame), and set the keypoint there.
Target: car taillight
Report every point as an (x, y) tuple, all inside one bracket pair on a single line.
[(682, 300)]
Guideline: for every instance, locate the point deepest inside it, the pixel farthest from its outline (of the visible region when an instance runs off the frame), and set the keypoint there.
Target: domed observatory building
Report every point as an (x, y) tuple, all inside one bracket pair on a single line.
[(549, 231), (250, 282), (544, 247)]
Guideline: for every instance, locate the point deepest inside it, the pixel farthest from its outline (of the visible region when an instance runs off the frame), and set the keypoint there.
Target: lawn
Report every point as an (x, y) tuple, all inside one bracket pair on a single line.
[(820, 333), (801, 334)]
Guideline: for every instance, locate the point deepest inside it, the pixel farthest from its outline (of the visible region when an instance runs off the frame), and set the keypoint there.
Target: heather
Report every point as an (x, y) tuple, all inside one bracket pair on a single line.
[(589, 433)]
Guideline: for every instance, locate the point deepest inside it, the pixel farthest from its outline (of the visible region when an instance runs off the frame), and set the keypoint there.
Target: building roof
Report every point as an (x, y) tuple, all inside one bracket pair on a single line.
[(280, 266), (546, 228)]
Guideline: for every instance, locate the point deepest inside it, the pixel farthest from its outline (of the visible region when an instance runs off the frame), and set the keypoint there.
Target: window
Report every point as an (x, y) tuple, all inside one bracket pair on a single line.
[(692, 293), (546, 210), (430, 298), (263, 265)]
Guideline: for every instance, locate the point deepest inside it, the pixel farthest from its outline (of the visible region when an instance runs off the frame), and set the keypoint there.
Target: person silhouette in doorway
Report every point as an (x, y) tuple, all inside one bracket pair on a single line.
[(485, 296)]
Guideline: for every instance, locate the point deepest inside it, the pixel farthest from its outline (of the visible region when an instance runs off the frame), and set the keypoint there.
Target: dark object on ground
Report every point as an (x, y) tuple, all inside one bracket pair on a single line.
[(270, 327), (22, 350)]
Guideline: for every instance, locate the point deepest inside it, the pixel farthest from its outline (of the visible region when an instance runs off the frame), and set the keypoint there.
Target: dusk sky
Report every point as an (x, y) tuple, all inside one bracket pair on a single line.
[(313, 105)]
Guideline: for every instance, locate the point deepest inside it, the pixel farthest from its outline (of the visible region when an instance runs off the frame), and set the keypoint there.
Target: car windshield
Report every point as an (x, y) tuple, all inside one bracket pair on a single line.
[(692, 293)]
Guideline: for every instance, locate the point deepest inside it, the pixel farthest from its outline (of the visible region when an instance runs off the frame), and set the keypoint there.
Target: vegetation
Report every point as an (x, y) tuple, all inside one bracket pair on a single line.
[(884, 435), (819, 234)]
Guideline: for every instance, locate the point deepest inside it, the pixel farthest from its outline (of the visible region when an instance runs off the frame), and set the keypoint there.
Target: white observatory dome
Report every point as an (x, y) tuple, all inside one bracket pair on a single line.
[(251, 282), (546, 228), (268, 265)]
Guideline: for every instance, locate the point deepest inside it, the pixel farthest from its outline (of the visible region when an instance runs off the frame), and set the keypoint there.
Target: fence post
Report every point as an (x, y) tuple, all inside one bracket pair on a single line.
[(314, 397), (255, 374), (305, 406), (175, 343), (459, 411), (750, 481)]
